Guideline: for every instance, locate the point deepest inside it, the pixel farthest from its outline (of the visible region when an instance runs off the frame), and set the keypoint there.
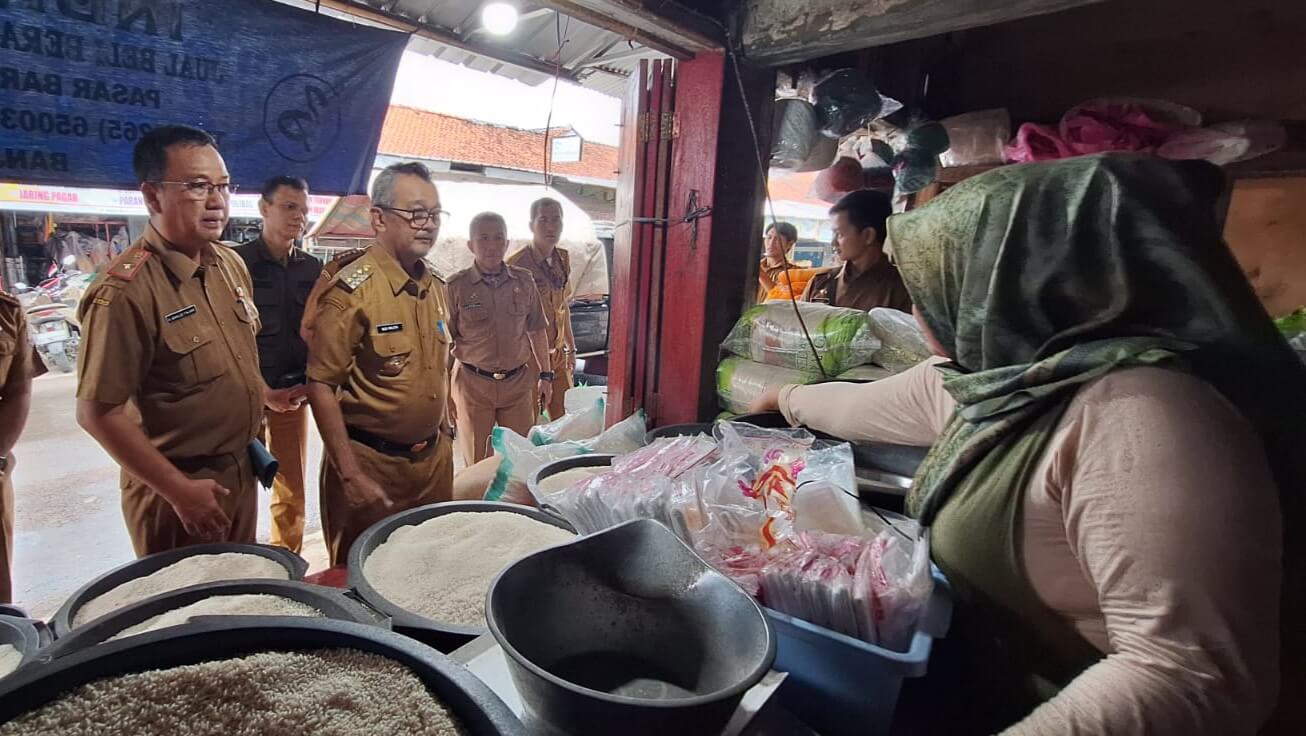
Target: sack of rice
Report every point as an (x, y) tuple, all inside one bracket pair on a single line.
[(187, 571), (902, 344), (521, 457), (740, 382), (329, 691), (772, 333), (442, 568)]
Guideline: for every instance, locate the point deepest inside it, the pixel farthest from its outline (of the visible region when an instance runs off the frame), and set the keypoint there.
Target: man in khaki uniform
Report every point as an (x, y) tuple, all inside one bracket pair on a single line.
[(866, 279), (168, 378), (500, 345), (19, 364), (378, 368), (551, 268)]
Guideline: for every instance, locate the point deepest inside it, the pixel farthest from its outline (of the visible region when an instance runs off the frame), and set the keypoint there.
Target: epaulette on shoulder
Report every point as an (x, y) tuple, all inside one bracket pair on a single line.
[(126, 266), (352, 278), (340, 260)]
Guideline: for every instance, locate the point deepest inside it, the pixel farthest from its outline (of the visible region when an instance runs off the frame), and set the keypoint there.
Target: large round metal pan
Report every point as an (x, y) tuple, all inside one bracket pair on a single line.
[(442, 635), (481, 712), (62, 623)]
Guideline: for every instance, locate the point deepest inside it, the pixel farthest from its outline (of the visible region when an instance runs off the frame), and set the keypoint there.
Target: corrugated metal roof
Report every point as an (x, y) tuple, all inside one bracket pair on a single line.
[(597, 59)]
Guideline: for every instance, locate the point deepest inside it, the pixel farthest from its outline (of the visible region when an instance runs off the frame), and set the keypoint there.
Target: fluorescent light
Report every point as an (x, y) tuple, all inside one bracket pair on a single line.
[(499, 18)]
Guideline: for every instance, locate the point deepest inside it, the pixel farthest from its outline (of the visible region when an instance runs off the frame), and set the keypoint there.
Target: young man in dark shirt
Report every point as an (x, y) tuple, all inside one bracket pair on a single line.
[(283, 275)]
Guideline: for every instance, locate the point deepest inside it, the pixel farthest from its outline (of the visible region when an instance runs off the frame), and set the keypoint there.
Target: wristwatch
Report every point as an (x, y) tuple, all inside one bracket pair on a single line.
[(546, 375)]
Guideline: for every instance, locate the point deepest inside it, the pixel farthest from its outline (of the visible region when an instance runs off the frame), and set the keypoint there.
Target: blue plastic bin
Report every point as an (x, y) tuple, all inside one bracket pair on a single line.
[(841, 685)]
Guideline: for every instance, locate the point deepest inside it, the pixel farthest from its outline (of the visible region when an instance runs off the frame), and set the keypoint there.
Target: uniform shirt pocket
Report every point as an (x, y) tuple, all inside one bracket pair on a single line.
[(521, 300), (393, 355), (191, 358)]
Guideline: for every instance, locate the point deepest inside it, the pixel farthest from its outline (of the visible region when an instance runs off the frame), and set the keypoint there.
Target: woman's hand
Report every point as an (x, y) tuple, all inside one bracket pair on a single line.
[(769, 401)]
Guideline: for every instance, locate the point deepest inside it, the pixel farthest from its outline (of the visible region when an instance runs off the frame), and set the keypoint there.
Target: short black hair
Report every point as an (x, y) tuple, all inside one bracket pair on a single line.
[(486, 217), (150, 157), (865, 208), (542, 202), (271, 186), (784, 230)]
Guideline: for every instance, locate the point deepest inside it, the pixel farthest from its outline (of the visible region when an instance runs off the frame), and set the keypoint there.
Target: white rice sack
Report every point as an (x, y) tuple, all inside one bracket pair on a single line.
[(902, 344), (10, 658), (188, 571), (443, 567), (330, 691), (246, 604), (564, 480)]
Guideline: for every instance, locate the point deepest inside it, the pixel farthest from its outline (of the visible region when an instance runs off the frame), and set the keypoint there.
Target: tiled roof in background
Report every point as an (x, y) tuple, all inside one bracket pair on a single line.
[(423, 134)]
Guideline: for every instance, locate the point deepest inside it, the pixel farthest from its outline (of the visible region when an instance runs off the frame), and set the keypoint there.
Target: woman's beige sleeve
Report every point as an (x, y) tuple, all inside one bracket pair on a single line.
[(910, 408)]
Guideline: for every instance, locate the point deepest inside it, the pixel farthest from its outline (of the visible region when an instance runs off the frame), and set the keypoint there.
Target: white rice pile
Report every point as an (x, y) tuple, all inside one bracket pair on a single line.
[(10, 658), (191, 570), (259, 604), (442, 568), (564, 480), (341, 692)]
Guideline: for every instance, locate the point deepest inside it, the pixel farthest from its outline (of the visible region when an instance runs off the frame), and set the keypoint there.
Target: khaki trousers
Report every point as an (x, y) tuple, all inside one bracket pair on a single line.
[(155, 527), (408, 482), (484, 402), (7, 528), (286, 436), (562, 383)]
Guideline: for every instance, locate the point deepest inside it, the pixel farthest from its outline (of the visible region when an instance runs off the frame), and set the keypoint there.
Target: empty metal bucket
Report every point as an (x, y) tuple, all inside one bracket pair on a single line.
[(628, 631)]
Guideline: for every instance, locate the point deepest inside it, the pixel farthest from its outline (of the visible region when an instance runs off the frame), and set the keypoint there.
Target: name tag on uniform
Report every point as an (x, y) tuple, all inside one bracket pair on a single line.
[(392, 327), (182, 313)]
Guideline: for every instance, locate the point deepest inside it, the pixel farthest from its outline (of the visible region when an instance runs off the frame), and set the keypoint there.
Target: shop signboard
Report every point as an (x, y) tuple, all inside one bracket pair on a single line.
[(284, 90), (37, 198)]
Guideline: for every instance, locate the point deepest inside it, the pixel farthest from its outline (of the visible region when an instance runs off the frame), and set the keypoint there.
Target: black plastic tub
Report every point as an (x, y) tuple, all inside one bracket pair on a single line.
[(21, 634), (62, 623), (331, 603), (629, 632), (557, 466), (443, 636), (482, 713)]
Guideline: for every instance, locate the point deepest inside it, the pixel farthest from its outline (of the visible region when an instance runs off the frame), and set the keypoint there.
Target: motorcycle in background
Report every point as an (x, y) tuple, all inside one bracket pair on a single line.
[(52, 316)]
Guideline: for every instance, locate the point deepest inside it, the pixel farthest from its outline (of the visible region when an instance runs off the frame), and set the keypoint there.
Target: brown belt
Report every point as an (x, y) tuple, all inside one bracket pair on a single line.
[(495, 375), (391, 448)]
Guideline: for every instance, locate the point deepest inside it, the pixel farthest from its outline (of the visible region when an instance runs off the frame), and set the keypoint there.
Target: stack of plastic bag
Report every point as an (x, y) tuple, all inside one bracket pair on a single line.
[(902, 344), (522, 457), (790, 342)]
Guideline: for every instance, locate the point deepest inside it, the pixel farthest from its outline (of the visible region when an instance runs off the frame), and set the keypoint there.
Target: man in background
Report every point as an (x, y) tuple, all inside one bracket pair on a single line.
[(550, 266), (503, 375), (283, 276), (866, 279), (378, 368)]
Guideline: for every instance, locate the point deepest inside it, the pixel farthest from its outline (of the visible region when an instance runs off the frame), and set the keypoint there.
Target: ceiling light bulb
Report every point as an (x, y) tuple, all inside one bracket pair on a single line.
[(499, 18)]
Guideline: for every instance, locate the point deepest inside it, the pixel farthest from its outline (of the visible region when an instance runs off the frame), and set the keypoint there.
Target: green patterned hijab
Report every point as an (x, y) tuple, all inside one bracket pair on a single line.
[(1039, 278)]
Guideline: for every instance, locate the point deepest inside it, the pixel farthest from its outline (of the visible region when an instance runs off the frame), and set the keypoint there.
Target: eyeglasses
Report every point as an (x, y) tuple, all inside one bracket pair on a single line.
[(417, 218), (203, 189)]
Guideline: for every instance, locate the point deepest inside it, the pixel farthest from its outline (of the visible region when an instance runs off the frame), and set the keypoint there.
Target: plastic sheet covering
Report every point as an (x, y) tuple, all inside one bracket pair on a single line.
[(773, 334), (902, 344), (793, 133), (846, 100), (977, 138), (739, 382)]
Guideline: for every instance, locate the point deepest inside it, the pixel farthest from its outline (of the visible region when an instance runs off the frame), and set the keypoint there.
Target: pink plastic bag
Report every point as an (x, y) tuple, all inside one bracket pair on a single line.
[(1036, 142)]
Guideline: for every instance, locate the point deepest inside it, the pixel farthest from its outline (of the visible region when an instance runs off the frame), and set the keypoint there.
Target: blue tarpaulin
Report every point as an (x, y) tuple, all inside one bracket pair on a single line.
[(284, 90)]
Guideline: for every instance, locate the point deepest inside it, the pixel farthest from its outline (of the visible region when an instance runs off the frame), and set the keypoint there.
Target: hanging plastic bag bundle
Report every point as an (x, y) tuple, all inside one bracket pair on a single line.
[(774, 334)]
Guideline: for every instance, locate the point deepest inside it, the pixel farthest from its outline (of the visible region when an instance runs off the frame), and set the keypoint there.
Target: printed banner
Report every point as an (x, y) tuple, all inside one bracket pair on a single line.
[(284, 90)]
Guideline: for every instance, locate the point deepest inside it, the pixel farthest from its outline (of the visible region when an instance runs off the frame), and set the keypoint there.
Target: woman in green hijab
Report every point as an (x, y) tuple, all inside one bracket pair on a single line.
[(1118, 446)]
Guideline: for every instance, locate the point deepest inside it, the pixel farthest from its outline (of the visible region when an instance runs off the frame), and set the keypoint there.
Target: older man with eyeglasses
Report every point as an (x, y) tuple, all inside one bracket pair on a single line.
[(378, 367), (168, 377)]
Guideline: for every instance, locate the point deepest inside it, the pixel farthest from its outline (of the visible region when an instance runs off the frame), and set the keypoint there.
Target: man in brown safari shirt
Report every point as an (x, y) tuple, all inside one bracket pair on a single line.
[(866, 279)]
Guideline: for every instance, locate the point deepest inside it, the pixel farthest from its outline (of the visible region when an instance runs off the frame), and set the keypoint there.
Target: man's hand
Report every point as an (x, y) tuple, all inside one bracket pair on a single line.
[(363, 492), (283, 400), (546, 393), (196, 504), (767, 402)]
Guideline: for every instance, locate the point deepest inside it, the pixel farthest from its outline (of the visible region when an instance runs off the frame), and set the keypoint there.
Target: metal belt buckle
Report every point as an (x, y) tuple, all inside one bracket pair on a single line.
[(499, 376), (418, 447)]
